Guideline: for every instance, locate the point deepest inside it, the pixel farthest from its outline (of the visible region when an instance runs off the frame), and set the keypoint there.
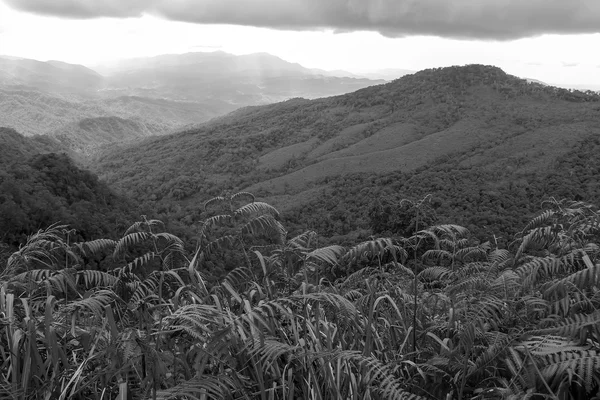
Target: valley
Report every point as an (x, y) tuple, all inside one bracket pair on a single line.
[(149, 96)]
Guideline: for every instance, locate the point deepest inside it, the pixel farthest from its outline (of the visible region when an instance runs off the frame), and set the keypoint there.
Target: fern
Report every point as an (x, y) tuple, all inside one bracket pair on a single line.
[(582, 367), (255, 209), (91, 279), (431, 274), (129, 240), (95, 246), (329, 255), (215, 387), (570, 327), (265, 225)]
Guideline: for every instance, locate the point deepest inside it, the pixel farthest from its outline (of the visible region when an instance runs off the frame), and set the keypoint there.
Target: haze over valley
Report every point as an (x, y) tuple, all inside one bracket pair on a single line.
[(143, 97)]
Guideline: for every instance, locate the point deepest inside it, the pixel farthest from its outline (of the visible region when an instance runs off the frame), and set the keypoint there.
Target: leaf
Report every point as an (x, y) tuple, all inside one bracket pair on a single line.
[(570, 327), (129, 240), (254, 209), (329, 254)]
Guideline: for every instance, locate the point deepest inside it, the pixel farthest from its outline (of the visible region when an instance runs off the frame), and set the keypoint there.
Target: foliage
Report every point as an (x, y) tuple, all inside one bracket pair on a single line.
[(38, 188), (434, 315)]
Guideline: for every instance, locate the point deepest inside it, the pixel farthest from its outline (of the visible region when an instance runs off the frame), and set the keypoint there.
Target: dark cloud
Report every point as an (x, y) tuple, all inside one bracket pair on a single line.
[(482, 19)]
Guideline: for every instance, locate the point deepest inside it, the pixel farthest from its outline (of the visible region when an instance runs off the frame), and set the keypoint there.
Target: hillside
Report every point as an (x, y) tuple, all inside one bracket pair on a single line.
[(51, 76), (148, 96), (15, 147), (470, 124), (40, 186), (33, 112)]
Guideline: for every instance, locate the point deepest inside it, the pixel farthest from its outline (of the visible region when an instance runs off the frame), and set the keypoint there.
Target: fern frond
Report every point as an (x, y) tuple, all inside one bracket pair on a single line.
[(256, 208), (92, 279), (437, 255), (94, 303), (303, 240), (200, 387), (142, 260), (473, 283), (451, 230), (474, 252), (329, 254), (586, 278), (548, 344), (582, 367), (537, 238), (506, 285), (570, 327), (95, 246), (495, 354), (248, 195), (143, 226), (371, 249), (265, 225), (538, 268), (431, 274), (499, 256), (239, 275), (214, 200), (221, 243), (129, 240), (539, 221), (216, 220)]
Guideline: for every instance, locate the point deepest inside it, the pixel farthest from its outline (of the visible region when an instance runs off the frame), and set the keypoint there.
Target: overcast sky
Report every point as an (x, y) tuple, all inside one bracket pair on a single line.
[(556, 41)]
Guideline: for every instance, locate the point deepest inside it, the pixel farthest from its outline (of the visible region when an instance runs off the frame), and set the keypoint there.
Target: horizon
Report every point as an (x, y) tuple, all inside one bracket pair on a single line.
[(365, 74), (334, 37)]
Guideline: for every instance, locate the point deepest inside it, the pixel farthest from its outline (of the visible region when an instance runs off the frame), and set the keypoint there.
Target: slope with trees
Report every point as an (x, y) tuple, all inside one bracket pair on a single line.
[(41, 185), (468, 133)]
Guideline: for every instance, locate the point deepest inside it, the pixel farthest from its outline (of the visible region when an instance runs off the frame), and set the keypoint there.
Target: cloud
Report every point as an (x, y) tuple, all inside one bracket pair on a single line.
[(463, 19), (83, 9), (206, 47)]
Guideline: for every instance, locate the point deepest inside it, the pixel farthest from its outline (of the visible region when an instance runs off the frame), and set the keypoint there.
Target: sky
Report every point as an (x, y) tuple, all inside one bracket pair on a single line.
[(554, 41)]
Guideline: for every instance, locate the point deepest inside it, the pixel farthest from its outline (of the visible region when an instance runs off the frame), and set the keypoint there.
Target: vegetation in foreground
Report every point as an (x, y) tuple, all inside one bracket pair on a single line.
[(436, 315)]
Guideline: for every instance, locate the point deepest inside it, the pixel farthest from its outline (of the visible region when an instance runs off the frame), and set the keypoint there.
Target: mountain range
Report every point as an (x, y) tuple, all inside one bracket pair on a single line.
[(149, 96), (485, 147)]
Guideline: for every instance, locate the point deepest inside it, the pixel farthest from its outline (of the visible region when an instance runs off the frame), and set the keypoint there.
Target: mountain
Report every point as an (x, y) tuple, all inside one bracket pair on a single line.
[(32, 112), (85, 135), (40, 185), (15, 147), (212, 63), (463, 134), (148, 96), (51, 76), (243, 80)]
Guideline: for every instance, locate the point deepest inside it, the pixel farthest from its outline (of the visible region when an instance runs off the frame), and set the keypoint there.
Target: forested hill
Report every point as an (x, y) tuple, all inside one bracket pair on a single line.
[(488, 147), (40, 186), (14, 147)]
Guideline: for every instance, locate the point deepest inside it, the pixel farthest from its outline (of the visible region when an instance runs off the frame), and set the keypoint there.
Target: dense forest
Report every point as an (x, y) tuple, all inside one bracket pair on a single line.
[(40, 186), (437, 314)]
